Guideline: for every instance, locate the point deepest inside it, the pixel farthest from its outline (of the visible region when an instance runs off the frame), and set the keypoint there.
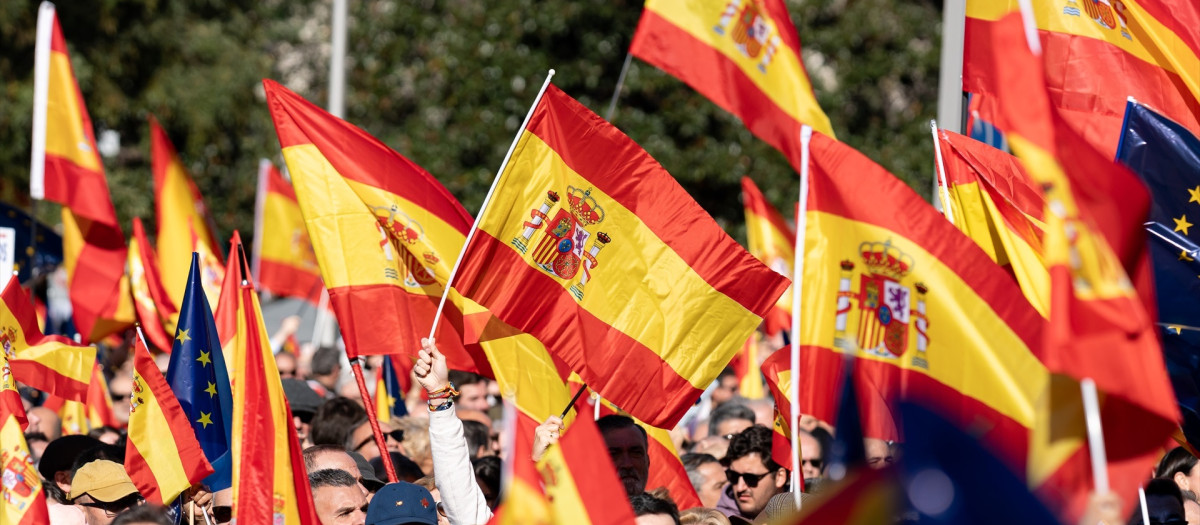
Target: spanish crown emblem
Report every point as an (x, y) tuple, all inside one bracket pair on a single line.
[(399, 235), (887, 315), (1110, 15), (561, 250), (752, 32)]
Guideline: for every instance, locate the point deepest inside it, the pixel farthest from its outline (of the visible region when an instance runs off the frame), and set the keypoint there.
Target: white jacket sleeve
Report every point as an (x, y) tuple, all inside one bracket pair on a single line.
[(455, 478)]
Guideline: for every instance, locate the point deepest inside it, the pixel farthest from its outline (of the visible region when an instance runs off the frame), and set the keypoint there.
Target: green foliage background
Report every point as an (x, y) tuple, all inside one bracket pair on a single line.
[(447, 83)]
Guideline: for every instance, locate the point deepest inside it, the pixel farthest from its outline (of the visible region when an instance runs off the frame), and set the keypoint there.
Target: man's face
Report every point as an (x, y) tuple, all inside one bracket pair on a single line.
[(102, 513), (286, 363), (119, 390), (714, 481), (810, 457), (223, 506), (729, 427), (473, 397), (364, 440), (726, 387), (627, 448), (339, 461), (879, 453), (752, 500), (340, 506)]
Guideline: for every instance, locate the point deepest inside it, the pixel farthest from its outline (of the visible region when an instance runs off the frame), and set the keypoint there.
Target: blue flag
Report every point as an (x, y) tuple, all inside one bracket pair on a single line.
[(1181, 353), (392, 383), (847, 452), (48, 252), (198, 376), (1167, 158)]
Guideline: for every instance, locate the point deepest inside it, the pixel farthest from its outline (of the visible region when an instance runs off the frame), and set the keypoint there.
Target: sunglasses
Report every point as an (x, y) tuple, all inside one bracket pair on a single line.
[(111, 509), (815, 463), (751, 479), (222, 513), (397, 435)]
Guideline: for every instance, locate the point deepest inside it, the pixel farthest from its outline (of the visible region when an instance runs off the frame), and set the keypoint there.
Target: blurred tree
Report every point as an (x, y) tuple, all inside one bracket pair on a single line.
[(448, 82)]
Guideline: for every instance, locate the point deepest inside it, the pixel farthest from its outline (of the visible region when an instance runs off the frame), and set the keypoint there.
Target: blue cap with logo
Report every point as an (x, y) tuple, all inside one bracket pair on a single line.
[(402, 503)]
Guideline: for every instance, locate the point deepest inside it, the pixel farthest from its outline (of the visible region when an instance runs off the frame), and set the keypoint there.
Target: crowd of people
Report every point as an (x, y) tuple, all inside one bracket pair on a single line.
[(446, 453)]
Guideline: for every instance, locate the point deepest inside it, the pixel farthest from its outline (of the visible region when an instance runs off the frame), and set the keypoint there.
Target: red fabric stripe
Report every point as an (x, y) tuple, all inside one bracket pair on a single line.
[(385, 319), (97, 278), (1088, 79), (142, 474), (620, 168), (162, 154), (42, 376), (756, 203), (662, 44), (277, 184), (288, 281), (256, 482), (843, 179), (58, 43), (667, 471), (595, 478), (1181, 17), (639, 381), (83, 190), (358, 156), (967, 159)]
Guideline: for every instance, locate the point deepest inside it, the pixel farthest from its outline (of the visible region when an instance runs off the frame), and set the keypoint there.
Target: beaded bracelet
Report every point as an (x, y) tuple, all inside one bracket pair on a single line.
[(445, 405), (445, 392)]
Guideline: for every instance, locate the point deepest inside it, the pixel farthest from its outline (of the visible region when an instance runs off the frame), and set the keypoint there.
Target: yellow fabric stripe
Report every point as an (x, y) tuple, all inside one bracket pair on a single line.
[(527, 376), (970, 349), (151, 435), (566, 505), (285, 239), (525, 505), (773, 248), (65, 136), (785, 81), (665, 291), (976, 215), (1150, 39), (73, 242), (14, 510), (177, 220)]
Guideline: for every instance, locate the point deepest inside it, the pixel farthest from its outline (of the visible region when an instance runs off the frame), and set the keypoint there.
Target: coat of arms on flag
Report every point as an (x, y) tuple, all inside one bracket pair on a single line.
[(399, 236), (887, 308), (560, 250), (751, 31)]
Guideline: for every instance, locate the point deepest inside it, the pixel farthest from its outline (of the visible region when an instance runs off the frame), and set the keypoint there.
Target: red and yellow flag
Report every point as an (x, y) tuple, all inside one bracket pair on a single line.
[(268, 466), (386, 233), (67, 169), (225, 315), (1101, 301), (995, 203), (572, 483), (284, 261), (80, 417), (1097, 54), (589, 245), (777, 370), (48, 363), (162, 455), (742, 55), (773, 242), (24, 502), (158, 315), (184, 225), (929, 316)]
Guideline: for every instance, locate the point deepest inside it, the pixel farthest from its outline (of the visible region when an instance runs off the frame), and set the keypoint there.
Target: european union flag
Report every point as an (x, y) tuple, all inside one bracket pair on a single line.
[(1167, 158), (1181, 353), (391, 383), (198, 376), (49, 250)]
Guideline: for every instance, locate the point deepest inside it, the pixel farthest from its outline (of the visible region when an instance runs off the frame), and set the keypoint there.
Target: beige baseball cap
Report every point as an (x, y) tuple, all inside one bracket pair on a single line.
[(103, 480)]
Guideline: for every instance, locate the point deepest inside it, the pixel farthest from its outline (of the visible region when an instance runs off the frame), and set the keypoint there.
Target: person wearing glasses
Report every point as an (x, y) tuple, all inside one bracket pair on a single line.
[(753, 476), (812, 463), (102, 489)]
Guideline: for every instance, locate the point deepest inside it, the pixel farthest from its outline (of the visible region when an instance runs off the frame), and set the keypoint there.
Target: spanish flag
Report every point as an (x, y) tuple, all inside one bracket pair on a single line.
[(1102, 307), (269, 466), (226, 314), (742, 55), (572, 483), (589, 245), (995, 203), (48, 363), (162, 455), (24, 502), (1097, 54), (184, 225), (776, 369), (386, 233), (80, 417), (773, 242), (67, 169), (284, 261), (158, 315), (927, 314)]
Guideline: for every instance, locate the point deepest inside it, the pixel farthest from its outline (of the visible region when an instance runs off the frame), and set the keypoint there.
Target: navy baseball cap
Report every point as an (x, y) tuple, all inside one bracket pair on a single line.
[(402, 503)]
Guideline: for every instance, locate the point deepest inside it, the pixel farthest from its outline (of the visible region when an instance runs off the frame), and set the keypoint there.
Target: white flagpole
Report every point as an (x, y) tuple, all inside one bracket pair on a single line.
[(41, 98), (260, 199), (337, 61), (612, 104), (1095, 433), (797, 286), (944, 192), (1142, 501), (486, 200)]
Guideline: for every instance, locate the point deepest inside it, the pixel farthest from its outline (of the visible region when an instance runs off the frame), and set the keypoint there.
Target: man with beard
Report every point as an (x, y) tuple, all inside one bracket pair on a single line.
[(628, 447), (753, 476)]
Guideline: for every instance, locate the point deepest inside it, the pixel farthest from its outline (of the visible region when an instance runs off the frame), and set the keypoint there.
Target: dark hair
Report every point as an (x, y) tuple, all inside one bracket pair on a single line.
[(311, 453), (1164, 503), (612, 422), (692, 462), (334, 421), (325, 360), (825, 439), (460, 378), (406, 469), (477, 436), (487, 473), (109, 452), (728, 371), (1177, 460), (331, 477), (645, 504), (756, 439), (727, 412), (146, 513), (100, 431)]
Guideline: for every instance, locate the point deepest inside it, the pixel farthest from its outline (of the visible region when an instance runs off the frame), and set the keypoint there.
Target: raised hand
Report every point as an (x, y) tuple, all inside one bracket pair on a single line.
[(545, 435), (430, 367)]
